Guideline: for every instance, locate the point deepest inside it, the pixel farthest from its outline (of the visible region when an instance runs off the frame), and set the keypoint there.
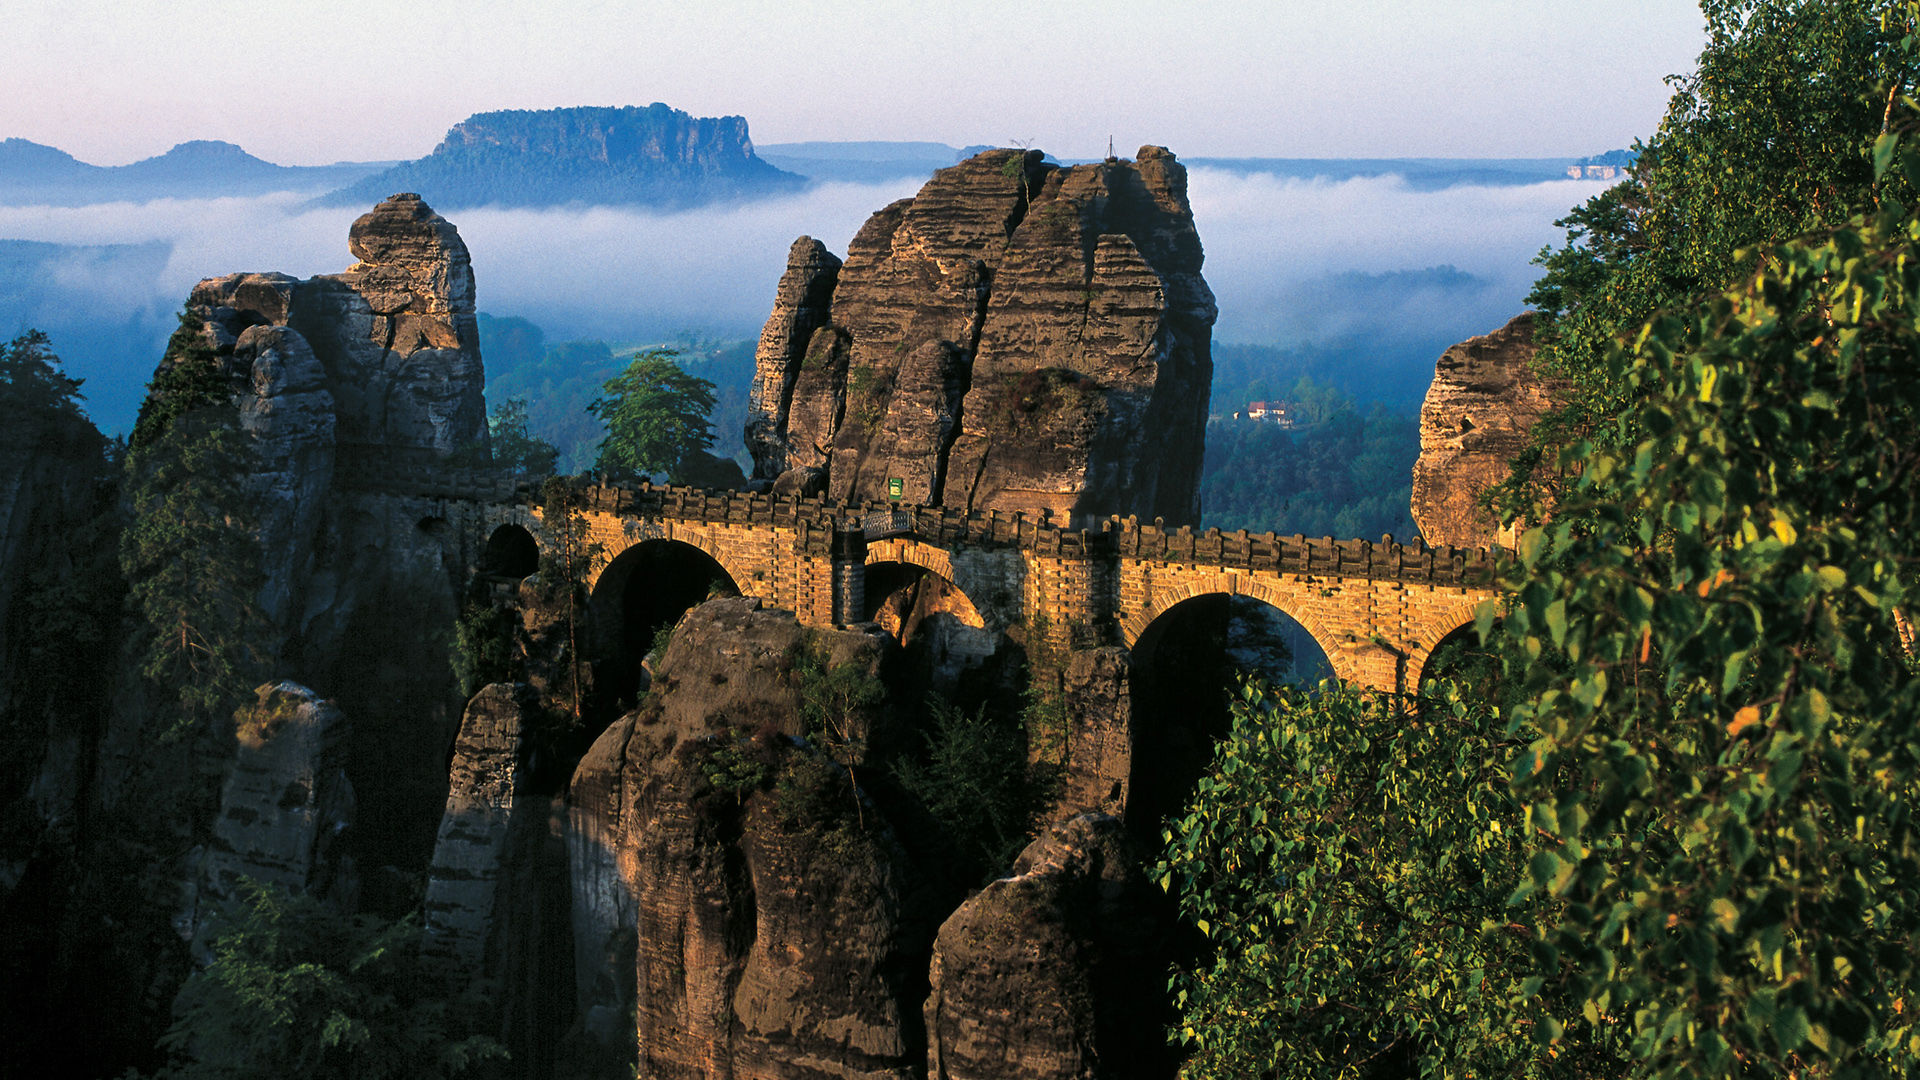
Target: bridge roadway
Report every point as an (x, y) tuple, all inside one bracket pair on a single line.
[(1378, 609)]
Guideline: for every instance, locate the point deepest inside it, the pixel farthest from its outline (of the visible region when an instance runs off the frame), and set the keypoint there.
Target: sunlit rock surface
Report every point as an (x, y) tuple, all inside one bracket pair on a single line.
[(1018, 336), (1054, 970), (1484, 399)]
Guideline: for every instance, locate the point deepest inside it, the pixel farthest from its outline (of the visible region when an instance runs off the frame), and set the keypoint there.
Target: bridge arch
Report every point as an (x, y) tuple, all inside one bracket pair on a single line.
[(511, 551), (1169, 597), (911, 590), (1181, 685), (646, 586), (1456, 620), (617, 537)]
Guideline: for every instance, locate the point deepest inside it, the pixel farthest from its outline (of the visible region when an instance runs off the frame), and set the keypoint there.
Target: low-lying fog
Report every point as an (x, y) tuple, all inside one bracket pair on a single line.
[(1291, 261)]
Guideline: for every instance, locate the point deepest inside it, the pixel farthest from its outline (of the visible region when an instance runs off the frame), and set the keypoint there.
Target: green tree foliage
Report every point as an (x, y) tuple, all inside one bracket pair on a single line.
[(1349, 866), (34, 388), (515, 449), (1771, 135), (1343, 475), (656, 417), (568, 556), (67, 602), (295, 989), (483, 649), (189, 552), (973, 782), (1726, 767), (837, 701)]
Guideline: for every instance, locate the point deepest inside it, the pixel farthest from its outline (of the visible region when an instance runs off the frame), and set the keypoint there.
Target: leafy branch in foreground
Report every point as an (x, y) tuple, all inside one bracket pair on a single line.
[(1350, 864), (1729, 741)]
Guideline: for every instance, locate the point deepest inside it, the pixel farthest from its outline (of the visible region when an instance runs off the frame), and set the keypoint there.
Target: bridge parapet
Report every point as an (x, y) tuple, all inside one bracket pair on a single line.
[(1384, 560), (816, 519)]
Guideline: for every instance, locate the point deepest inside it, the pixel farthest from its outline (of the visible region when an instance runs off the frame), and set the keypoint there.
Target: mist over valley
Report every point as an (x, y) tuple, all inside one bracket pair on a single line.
[(1358, 276)]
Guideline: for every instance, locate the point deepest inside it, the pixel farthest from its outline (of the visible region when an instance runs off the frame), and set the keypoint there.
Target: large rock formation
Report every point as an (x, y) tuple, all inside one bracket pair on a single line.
[(395, 334), (284, 806), (655, 156), (1018, 336), (734, 887), (1484, 399), (1055, 970), (342, 382)]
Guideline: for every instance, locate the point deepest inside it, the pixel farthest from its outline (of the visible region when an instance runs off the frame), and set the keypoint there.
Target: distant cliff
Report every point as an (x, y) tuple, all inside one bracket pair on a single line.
[(656, 156)]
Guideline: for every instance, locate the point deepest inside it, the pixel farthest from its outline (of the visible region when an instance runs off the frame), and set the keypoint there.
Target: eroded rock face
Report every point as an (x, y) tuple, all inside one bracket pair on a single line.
[(289, 412), (1099, 709), (497, 898), (1017, 336), (1054, 971), (395, 334), (488, 811), (801, 306), (1484, 399), (732, 884), (284, 806)]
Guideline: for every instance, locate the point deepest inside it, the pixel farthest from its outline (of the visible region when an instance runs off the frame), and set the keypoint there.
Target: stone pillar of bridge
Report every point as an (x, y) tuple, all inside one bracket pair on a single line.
[(849, 559)]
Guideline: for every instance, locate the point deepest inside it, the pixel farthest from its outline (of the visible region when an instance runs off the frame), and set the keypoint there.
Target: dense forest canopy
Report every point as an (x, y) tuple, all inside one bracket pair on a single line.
[(1685, 847)]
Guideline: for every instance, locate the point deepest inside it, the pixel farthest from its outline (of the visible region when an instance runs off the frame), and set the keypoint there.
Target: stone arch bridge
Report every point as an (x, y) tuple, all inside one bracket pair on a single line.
[(1376, 609)]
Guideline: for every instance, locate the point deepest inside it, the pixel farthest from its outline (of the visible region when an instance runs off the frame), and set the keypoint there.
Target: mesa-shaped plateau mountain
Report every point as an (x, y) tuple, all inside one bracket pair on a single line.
[(654, 156)]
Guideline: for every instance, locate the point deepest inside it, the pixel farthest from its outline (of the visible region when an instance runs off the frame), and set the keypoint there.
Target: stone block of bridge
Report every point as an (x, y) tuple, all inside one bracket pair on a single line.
[(1376, 609)]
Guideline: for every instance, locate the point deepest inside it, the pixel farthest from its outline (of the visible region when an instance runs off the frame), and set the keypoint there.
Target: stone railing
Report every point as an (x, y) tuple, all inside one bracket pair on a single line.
[(949, 527), (1385, 559), (816, 520)]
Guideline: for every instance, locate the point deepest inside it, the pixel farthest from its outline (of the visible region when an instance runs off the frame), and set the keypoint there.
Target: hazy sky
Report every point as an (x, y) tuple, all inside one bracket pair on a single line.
[(313, 81)]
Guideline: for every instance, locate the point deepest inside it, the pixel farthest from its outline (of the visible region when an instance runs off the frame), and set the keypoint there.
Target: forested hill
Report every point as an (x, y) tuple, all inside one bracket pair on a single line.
[(652, 156), (1339, 472)]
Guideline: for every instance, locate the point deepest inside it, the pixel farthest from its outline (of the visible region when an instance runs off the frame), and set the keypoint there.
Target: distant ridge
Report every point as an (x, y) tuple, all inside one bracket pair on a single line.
[(865, 162), (1421, 174), (653, 156), (32, 174)]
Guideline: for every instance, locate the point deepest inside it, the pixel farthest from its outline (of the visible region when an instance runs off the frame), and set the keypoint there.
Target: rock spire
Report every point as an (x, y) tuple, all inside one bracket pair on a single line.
[(1017, 336)]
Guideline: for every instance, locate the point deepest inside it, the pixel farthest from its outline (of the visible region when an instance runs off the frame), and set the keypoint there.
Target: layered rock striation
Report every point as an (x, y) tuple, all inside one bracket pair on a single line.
[(1018, 336), (1483, 402), (735, 892), (284, 806), (1056, 969)]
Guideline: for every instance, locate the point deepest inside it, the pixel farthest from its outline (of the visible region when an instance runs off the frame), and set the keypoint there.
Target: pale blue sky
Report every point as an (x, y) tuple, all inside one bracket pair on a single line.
[(112, 81)]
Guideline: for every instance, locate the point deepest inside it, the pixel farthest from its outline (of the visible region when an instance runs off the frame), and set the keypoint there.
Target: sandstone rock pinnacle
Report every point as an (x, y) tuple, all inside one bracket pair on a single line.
[(395, 333), (1484, 399), (1018, 336)]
